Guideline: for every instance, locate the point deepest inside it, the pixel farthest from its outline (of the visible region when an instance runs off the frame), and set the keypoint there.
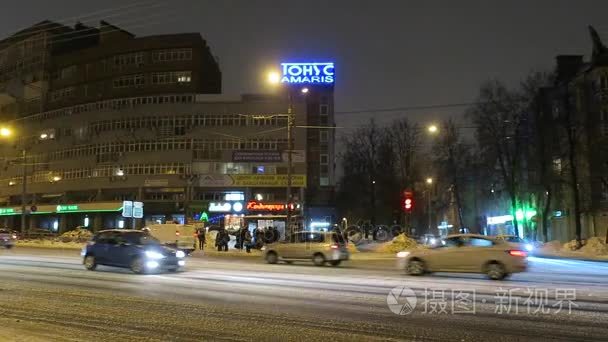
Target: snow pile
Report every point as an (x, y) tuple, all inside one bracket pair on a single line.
[(595, 246), (76, 235), (570, 246), (551, 247), (400, 243)]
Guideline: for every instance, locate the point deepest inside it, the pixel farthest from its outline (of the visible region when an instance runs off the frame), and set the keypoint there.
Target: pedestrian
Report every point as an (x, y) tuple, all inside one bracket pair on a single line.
[(242, 235), (201, 238), (247, 240), (220, 240)]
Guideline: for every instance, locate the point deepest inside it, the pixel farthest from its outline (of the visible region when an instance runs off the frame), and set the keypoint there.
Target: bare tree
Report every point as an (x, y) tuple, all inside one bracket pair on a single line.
[(501, 121), (405, 138), (451, 156)]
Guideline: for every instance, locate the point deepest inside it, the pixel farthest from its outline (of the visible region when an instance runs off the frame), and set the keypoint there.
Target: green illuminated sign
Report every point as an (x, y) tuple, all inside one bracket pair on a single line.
[(7, 211), (69, 207), (204, 216)]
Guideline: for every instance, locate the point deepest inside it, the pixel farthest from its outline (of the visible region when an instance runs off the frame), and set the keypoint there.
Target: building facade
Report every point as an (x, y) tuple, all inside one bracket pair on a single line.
[(573, 115), (104, 117)]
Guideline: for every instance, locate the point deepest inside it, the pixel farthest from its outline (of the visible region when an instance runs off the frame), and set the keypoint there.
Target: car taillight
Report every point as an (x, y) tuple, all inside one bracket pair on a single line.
[(518, 253), (334, 246)]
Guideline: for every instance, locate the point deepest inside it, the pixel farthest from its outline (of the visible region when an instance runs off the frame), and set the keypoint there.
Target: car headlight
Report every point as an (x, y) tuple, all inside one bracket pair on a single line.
[(263, 248), (529, 247), (433, 241), (83, 252), (154, 255), (180, 254), (403, 254)]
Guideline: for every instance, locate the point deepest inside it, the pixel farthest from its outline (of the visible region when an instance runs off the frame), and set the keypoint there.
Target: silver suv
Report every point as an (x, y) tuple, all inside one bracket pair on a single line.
[(318, 247), (7, 238)]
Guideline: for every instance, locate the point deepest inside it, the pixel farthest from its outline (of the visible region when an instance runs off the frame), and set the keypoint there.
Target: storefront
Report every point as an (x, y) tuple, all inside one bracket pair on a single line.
[(263, 216), (62, 217)]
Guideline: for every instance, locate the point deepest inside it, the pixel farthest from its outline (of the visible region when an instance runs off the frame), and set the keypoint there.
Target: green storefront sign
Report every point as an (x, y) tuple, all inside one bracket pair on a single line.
[(7, 211), (69, 207)]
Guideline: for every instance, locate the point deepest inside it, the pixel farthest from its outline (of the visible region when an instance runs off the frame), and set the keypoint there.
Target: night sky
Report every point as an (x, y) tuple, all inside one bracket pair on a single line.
[(387, 53)]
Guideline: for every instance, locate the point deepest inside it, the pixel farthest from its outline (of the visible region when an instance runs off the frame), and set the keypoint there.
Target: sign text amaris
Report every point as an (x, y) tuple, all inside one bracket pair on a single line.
[(312, 73)]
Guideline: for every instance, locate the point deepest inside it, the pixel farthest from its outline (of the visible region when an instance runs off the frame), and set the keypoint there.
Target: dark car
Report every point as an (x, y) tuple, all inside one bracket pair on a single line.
[(7, 238), (133, 249)]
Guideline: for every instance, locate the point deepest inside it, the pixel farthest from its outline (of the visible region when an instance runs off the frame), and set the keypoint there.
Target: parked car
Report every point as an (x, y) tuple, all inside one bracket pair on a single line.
[(467, 253), (178, 236), (133, 249), (318, 247), (7, 238)]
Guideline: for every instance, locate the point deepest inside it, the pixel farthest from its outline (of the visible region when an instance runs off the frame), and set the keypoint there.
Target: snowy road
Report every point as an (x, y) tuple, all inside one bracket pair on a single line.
[(46, 295)]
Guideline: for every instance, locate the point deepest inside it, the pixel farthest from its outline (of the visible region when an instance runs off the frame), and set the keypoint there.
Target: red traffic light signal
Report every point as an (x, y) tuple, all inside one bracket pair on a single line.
[(408, 202)]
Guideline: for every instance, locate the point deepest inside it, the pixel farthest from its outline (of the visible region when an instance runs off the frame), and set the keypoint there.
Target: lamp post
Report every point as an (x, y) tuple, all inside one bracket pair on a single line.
[(274, 78), (429, 182)]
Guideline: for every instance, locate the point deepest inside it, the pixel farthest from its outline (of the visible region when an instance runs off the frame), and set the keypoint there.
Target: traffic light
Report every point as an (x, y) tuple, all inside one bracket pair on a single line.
[(408, 201)]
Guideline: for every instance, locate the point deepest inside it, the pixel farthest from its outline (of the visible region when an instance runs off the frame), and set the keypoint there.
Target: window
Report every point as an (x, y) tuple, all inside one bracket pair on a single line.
[(323, 136), (324, 159), (172, 77), (61, 94), (161, 56), (478, 242), (129, 59), (557, 164), (323, 109), (324, 181), (129, 81)]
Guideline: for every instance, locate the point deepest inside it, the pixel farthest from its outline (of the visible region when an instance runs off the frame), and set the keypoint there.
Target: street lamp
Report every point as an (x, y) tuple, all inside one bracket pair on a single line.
[(5, 132), (429, 182), (433, 129), (275, 78)]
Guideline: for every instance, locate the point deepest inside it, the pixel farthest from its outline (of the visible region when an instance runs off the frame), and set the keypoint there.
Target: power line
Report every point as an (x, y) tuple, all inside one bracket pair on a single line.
[(406, 108), (68, 21)]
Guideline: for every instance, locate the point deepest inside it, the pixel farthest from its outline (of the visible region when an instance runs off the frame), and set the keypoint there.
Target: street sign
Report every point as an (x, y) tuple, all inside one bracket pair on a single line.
[(127, 209), (138, 209), (204, 216)]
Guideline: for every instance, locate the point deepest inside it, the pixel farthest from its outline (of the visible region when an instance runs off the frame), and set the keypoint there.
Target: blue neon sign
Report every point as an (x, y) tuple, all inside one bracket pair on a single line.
[(311, 73)]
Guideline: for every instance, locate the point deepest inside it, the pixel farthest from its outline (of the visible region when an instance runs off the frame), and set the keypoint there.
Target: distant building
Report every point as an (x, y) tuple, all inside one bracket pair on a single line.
[(106, 117), (577, 101)]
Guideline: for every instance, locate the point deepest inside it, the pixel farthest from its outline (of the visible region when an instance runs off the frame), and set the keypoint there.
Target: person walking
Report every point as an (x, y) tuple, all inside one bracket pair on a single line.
[(247, 240), (201, 238)]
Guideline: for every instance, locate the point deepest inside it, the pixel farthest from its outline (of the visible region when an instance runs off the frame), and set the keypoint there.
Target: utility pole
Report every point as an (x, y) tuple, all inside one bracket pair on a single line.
[(290, 120), (23, 189)]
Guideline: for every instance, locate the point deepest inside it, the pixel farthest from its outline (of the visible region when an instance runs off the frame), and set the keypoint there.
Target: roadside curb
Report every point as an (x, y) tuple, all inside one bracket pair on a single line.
[(557, 257)]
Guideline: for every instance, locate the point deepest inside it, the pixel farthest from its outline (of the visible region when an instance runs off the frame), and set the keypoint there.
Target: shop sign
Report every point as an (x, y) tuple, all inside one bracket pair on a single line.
[(259, 206), (257, 156), (7, 211), (67, 207), (225, 207), (252, 180), (499, 219), (311, 73)]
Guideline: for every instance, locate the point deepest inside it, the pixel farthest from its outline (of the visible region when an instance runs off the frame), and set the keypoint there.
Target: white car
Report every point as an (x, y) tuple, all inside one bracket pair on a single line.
[(318, 247), (467, 253)]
